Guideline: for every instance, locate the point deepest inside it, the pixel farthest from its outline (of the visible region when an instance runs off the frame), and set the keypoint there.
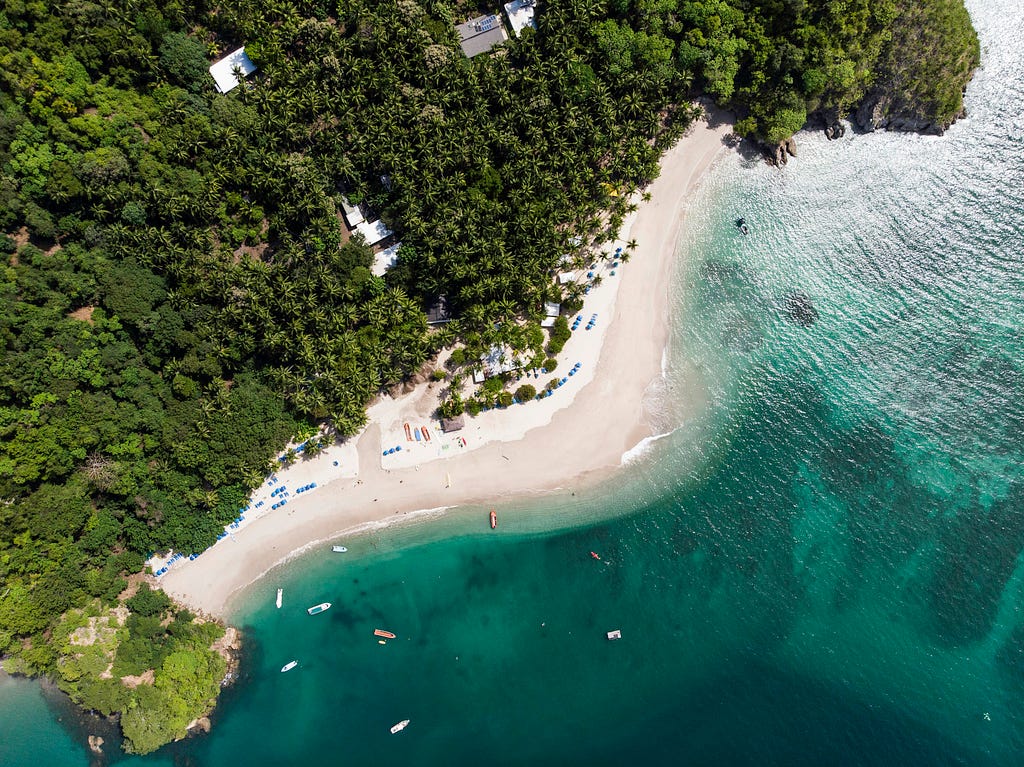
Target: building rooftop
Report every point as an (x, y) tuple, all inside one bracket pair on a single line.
[(385, 259), (551, 312), (353, 216), (439, 312), (481, 34), (223, 71), (373, 231), (520, 15), (452, 424)]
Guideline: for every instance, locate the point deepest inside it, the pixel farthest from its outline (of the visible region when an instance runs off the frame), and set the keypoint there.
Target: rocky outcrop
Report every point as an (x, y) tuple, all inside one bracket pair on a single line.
[(96, 744), (784, 150), (878, 112)]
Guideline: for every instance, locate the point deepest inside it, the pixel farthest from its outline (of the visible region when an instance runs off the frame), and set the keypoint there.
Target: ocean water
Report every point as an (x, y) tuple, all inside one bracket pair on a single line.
[(821, 567)]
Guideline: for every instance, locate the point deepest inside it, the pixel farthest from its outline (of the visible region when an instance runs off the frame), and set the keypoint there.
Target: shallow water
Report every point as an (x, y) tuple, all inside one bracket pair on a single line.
[(824, 568)]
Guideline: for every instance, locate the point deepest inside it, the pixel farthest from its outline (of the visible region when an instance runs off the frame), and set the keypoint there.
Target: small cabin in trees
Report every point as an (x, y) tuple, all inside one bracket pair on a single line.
[(223, 71), (481, 34)]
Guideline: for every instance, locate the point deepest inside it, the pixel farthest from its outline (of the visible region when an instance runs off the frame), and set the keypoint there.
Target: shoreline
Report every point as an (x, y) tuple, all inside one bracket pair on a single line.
[(526, 450)]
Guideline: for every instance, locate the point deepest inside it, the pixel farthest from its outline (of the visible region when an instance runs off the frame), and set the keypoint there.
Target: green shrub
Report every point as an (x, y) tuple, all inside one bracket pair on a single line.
[(505, 399), (560, 333), (525, 393), (148, 602), (550, 364)]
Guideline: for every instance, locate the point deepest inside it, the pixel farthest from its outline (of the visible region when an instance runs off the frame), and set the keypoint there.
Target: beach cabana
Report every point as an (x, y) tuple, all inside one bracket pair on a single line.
[(551, 312), (481, 34), (452, 424), (520, 15), (373, 231), (223, 71)]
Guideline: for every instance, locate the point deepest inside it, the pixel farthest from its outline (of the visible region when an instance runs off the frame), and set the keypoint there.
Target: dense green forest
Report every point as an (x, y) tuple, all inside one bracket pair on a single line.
[(179, 297)]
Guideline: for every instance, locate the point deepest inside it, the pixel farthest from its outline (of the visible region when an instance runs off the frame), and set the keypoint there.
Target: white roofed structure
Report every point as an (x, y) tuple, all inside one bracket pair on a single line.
[(353, 216), (520, 15), (551, 311), (373, 231), (385, 259), (223, 71)]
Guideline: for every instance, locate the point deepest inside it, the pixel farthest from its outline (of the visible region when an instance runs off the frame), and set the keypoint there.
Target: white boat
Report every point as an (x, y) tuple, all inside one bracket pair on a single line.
[(615, 634), (280, 596), (289, 666), (400, 726), (338, 549), (315, 609)]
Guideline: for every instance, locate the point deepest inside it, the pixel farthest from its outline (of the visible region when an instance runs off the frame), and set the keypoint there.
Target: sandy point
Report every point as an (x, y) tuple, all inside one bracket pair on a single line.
[(571, 438)]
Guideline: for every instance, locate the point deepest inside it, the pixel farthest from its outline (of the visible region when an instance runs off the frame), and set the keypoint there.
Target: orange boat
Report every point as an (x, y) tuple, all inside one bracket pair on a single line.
[(494, 519), (594, 555), (383, 633), (426, 434), (408, 433)]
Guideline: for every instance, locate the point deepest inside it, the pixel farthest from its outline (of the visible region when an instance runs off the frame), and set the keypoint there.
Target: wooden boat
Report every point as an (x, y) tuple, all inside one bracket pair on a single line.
[(280, 596), (426, 434), (616, 634), (289, 666), (316, 609), (494, 519), (383, 633), (400, 726), (408, 433)]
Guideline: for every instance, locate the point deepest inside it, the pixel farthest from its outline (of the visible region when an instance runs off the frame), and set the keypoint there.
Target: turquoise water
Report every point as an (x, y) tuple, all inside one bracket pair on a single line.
[(824, 567)]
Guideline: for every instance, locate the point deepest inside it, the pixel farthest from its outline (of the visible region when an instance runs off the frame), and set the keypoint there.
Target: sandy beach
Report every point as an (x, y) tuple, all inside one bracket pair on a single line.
[(576, 435)]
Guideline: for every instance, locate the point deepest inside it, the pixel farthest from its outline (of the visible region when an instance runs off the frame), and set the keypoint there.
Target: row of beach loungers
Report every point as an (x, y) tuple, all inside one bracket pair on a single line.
[(280, 491)]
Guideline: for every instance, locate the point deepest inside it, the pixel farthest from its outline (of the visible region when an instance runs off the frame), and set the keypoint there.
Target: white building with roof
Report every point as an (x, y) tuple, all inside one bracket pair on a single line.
[(223, 71), (353, 216), (373, 231), (386, 259), (520, 15), (551, 312)]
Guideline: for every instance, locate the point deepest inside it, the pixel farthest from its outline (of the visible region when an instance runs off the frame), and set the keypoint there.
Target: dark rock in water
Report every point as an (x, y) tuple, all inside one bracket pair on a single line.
[(800, 309)]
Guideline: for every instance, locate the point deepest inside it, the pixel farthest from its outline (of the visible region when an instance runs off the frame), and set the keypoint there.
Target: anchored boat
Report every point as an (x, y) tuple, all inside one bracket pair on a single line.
[(280, 596), (383, 633), (289, 666), (315, 609), (494, 519), (400, 726)]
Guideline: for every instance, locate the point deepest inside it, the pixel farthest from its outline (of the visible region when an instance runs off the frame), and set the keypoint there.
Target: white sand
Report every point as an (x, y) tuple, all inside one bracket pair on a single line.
[(577, 434)]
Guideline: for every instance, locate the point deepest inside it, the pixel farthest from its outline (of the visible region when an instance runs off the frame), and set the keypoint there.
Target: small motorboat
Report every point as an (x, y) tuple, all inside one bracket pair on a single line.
[(613, 635), (280, 597), (494, 519), (595, 556), (338, 549), (316, 609), (741, 224), (289, 666), (383, 633), (400, 726)]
